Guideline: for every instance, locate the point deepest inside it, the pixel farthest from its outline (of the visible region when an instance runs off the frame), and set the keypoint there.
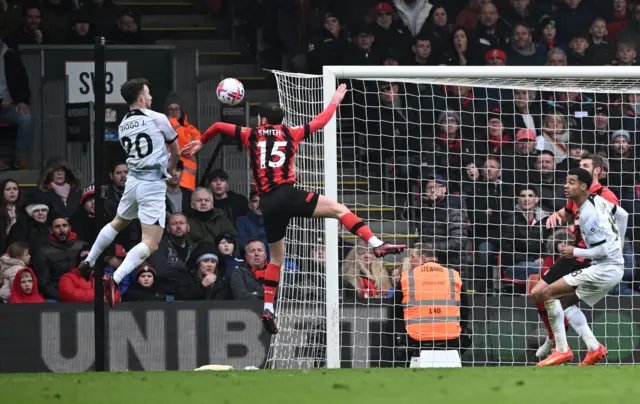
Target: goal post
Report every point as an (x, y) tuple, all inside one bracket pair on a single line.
[(322, 329)]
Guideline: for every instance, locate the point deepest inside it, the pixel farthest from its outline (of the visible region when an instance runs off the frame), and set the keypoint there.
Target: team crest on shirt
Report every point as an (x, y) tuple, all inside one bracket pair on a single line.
[(244, 129)]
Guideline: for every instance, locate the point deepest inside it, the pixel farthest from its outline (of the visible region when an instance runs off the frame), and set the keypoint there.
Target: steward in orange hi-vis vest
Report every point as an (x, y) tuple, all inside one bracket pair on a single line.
[(431, 300), (186, 133)]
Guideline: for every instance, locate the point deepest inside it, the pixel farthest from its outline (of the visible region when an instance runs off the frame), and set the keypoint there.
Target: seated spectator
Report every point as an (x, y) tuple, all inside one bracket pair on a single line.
[(626, 53), (186, 133), (226, 247), (364, 274), (601, 49), (132, 235), (205, 279), (10, 205), (29, 31), (362, 52), (32, 223), (619, 18), (331, 47), (423, 52), (573, 16), (75, 287), (16, 258), (15, 96), (251, 225), (207, 222), (145, 288), (81, 29), (128, 30), (246, 280), (464, 50), (438, 28), (57, 257), (178, 197), (579, 54), (623, 165), (523, 235), (231, 203), (555, 136), (174, 250), (492, 32), (83, 221), (523, 51), (495, 57), (548, 34), (113, 257), (550, 182), (392, 37), (469, 16), (559, 238), (60, 186), (556, 57), (24, 288), (55, 19), (103, 14)]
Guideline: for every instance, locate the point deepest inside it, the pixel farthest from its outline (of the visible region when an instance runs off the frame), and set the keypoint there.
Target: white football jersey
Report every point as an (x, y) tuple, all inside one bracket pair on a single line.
[(144, 135), (598, 226)]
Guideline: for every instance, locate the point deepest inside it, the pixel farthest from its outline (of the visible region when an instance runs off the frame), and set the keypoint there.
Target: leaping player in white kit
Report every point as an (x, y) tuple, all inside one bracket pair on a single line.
[(603, 226), (144, 135)]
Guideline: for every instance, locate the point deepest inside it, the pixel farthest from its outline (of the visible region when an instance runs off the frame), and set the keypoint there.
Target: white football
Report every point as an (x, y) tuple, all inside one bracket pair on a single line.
[(230, 91)]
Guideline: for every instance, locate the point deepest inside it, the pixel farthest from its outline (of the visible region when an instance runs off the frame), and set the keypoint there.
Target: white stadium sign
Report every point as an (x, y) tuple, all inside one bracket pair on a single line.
[(81, 81)]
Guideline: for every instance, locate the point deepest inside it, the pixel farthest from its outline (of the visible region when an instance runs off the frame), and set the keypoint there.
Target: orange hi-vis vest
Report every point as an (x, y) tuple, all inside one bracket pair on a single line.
[(187, 133), (431, 296)]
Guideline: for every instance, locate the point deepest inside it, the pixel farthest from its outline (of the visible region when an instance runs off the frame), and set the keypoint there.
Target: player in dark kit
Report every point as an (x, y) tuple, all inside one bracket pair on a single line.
[(272, 148), (564, 266)]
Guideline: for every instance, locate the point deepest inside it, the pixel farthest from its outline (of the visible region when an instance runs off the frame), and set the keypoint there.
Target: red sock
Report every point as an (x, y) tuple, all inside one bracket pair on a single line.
[(356, 226), (542, 312), (270, 282)]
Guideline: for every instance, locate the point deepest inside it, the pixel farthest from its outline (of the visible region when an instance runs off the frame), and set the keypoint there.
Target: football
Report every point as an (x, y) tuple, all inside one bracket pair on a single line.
[(230, 91)]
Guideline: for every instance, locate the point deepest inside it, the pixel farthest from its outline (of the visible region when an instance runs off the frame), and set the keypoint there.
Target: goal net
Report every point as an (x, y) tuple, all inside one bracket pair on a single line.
[(469, 161)]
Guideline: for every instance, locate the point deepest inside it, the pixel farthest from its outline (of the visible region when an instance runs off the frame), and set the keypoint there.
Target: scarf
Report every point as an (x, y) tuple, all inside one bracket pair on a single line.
[(558, 145), (62, 190)]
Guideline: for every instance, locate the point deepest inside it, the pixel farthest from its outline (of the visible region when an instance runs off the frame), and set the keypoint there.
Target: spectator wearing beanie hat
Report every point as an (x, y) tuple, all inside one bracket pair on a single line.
[(205, 279), (31, 224), (83, 221), (145, 288), (495, 57), (75, 287)]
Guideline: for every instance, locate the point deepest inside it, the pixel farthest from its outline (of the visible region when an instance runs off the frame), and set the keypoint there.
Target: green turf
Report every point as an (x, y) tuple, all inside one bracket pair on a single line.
[(568, 384)]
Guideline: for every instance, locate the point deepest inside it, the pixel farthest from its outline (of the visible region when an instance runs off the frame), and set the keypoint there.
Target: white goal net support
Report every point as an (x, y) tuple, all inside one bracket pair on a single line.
[(469, 160)]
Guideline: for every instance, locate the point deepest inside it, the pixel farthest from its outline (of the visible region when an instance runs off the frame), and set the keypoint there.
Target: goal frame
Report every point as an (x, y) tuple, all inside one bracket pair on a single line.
[(331, 74)]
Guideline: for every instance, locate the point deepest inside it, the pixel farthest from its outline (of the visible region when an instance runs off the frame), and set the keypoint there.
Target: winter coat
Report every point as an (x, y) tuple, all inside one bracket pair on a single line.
[(56, 203), (9, 267), (53, 260), (245, 283), (18, 296), (209, 225), (73, 288)]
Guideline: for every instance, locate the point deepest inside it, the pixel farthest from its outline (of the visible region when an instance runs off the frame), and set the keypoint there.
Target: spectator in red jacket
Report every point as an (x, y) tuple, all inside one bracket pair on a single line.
[(24, 288), (75, 288)]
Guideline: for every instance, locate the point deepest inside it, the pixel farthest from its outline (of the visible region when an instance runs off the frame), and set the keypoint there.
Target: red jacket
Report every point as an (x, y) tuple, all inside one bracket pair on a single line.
[(74, 288)]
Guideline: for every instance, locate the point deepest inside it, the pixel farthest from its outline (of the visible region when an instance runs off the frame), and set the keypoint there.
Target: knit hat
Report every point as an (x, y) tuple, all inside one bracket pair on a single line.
[(495, 53), (204, 250), (382, 7), (444, 114), (544, 21), (88, 191), (35, 206), (145, 268), (621, 133)]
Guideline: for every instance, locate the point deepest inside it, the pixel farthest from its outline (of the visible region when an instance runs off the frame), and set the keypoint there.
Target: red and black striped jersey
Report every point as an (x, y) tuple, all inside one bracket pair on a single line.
[(272, 151), (574, 211)]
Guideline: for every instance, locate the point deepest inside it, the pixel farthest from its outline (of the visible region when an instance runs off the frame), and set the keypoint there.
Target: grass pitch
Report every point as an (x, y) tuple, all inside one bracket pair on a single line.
[(567, 384)]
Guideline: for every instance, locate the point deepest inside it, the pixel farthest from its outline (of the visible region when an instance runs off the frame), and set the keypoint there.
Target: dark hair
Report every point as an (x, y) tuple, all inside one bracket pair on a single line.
[(3, 202), (596, 160), (252, 194), (273, 113), (547, 152), (131, 90), (116, 164), (28, 7), (17, 249), (528, 187), (582, 174), (422, 37)]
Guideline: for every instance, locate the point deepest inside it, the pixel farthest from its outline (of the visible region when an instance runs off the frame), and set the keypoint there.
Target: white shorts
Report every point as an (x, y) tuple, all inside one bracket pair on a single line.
[(144, 200), (593, 283)]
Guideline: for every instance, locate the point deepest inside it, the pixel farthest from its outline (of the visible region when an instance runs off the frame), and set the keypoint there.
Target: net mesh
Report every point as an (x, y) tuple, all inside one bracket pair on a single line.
[(499, 150)]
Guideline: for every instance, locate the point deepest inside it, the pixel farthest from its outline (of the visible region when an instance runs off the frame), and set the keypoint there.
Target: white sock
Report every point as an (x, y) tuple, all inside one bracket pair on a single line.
[(579, 323), (375, 242), (134, 258), (269, 306), (104, 240), (556, 319)]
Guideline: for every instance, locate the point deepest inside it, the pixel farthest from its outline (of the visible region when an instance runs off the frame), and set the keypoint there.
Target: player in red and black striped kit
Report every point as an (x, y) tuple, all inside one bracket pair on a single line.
[(564, 266), (272, 148)]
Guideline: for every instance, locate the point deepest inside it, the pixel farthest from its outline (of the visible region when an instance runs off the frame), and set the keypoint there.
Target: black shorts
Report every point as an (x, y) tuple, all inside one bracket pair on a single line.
[(281, 204), (562, 267)]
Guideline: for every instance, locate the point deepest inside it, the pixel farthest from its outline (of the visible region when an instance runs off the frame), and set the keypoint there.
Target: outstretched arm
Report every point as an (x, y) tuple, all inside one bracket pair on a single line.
[(323, 118), (216, 129)]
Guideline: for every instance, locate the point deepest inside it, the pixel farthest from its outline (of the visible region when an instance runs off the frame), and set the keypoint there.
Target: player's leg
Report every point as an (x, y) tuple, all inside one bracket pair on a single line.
[(271, 282), (551, 295), (106, 236), (327, 208)]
